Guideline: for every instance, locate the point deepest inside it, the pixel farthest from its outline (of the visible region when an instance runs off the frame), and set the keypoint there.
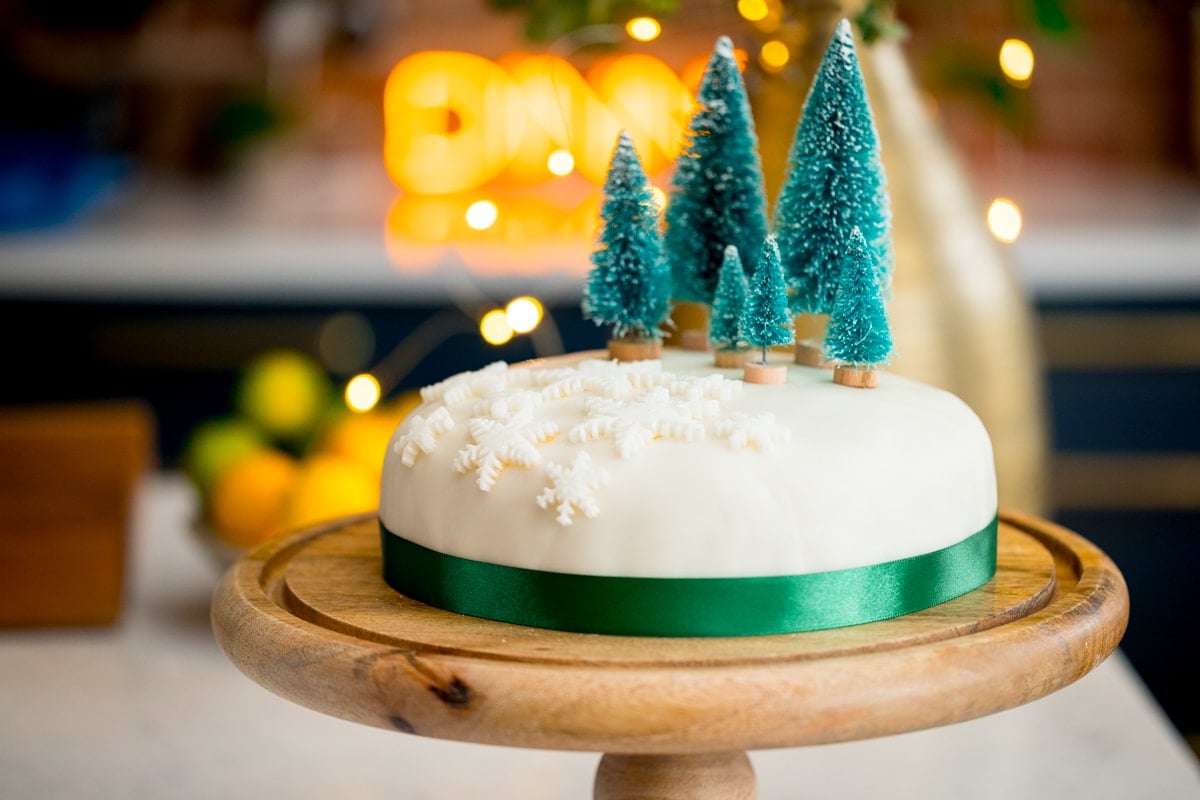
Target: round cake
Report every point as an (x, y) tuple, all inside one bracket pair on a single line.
[(665, 497)]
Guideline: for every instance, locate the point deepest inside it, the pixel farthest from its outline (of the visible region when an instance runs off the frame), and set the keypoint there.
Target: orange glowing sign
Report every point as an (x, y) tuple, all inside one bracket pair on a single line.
[(455, 122)]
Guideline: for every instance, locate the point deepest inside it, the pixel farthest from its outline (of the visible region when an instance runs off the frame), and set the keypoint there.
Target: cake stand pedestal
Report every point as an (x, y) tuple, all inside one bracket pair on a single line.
[(309, 618)]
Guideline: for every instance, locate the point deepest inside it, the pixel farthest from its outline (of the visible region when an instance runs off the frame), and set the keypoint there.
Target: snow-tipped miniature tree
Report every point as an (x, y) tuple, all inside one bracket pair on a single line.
[(835, 183), (629, 286), (725, 321), (766, 320), (717, 196), (858, 337)]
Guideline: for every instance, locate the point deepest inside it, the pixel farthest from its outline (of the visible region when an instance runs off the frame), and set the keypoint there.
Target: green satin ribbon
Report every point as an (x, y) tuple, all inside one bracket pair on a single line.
[(688, 606)]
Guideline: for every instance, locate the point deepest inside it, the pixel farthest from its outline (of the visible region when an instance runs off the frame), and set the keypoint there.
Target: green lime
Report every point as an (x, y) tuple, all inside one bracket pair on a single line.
[(214, 444)]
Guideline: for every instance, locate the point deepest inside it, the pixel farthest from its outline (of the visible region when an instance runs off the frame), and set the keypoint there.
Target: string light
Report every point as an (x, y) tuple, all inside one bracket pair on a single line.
[(482, 214), (495, 328), (659, 198), (362, 392), (643, 29), (1004, 220), (753, 10), (774, 55), (1016, 61), (560, 162), (523, 314)]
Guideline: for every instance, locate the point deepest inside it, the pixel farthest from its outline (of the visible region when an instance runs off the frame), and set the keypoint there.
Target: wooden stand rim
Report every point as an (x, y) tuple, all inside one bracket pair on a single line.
[(634, 349), (473, 680)]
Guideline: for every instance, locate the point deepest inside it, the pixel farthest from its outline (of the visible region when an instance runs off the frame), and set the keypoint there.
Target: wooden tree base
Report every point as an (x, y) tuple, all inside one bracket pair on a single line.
[(811, 353), (731, 359), (634, 350), (706, 776), (758, 372), (694, 339), (855, 376)]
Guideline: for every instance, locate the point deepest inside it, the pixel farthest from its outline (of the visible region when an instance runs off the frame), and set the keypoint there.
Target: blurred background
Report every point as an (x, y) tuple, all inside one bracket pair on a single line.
[(214, 216)]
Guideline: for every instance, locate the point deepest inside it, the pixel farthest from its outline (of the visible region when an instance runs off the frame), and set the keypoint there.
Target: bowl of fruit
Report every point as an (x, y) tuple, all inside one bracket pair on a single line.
[(289, 453)]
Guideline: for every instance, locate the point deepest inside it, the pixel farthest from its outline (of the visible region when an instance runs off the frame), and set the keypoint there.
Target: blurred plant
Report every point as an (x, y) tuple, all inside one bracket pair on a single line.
[(547, 20)]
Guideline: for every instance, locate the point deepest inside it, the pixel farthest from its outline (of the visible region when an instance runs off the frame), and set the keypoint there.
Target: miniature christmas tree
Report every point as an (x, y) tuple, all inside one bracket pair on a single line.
[(725, 322), (835, 183), (717, 196), (858, 336), (766, 320), (629, 285)]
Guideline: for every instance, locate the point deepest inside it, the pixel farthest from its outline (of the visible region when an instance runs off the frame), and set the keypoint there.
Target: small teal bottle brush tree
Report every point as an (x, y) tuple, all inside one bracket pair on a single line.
[(725, 319), (629, 285), (717, 196), (766, 320), (859, 338), (835, 183)]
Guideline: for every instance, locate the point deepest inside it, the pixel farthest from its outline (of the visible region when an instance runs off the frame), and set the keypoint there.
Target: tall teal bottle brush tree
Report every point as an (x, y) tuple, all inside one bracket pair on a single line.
[(859, 337), (766, 320), (717, 196), (835, 183), (629, 286)]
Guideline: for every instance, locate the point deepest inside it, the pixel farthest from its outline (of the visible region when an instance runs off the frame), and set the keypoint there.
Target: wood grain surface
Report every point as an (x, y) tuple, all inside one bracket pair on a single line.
[(309, 618)]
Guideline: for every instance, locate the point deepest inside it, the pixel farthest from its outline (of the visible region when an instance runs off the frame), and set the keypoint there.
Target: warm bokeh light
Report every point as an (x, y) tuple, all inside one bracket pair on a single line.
[(1004, 220), (560, 162), (523, 314), (494, 327), (774, 55), (660, 198), (362, 393), (753, 10), (643, 29), (482, 214), (1016, 61)]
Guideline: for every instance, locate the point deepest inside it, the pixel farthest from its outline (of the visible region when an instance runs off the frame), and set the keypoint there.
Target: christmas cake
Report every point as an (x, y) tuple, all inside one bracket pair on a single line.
[(693, 493)]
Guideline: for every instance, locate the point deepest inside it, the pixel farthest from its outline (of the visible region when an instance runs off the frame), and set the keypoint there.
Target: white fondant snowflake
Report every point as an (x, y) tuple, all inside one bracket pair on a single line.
[(633, 423), (572, 489), (708, 387), (566, 386), (503, 443), (464, 387), (545, 376), (617, 379), (760, 431), (505, 404), (422, 435)]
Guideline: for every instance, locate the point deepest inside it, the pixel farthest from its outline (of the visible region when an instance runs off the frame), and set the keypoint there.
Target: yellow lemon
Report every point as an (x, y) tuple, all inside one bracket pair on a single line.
[(214, 444), (285, 392), (249, 498), (331, 486)]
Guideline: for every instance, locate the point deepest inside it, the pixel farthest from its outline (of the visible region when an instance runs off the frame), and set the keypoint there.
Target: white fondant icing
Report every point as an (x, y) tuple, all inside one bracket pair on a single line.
[(861, 476)]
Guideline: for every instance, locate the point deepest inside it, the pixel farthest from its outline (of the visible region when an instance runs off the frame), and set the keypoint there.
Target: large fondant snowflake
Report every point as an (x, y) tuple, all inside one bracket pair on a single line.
[(572, 489), (617, 380), (506, 403), (634, 422), (707, 387), (464, 387), (760, 431), (501, 443), (422, 434)]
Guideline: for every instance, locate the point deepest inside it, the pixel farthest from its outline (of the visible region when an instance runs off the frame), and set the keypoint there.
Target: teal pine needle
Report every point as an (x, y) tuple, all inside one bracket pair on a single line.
[(835, 182), (629, 286), (766, 319), (717, 196), (858, 332)]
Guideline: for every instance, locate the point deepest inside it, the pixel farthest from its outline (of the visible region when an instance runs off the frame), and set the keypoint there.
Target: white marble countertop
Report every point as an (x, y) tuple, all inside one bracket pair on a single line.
[(151, 708)]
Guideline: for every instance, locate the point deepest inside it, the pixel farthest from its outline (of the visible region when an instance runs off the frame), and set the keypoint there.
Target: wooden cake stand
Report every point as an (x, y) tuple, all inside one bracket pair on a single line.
[(309, 618)]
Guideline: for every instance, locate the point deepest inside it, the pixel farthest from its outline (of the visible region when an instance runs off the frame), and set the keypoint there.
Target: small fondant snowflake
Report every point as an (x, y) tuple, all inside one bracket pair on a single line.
[(572, 489), (616, 379), (503, 443), (545, 376), (633, 423), (422, 435), (760, 431), (506, 403), (708, 387), (459, 389)]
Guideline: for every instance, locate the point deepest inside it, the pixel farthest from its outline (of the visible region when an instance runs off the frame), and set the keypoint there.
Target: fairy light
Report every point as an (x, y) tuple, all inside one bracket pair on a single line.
[(753, 10), (495, 328), (643, 29), (560, 162), (362, 392), (523, 314), (482, 214), (658, 197), (774, 55), (1016, 61), (1004, 220)]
